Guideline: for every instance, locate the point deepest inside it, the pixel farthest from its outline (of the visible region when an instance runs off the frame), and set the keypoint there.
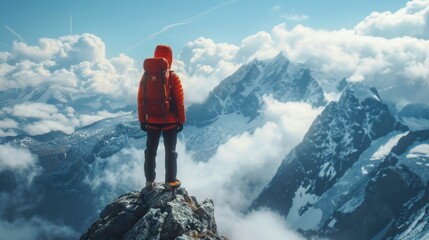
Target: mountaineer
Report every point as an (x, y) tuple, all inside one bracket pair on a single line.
[(161, 109)]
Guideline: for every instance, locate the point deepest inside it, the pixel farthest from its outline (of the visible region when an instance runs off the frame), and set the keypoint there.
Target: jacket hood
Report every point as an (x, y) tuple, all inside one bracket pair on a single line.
[(165, 52)]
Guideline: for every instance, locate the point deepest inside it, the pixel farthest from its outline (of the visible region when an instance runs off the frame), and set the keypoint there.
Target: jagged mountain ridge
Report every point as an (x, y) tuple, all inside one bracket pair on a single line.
[(335, 177), (235, 105), (395, 202), (241, 92)]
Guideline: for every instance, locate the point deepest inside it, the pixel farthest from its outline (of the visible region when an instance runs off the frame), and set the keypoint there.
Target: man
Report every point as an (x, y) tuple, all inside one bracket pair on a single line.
[(169, 124)]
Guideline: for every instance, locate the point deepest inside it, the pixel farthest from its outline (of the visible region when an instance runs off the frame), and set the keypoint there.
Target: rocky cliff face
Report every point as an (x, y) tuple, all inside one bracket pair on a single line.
[(156, 214)]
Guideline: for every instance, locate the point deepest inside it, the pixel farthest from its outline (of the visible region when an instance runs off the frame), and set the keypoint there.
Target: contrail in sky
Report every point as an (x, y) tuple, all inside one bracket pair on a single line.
[(14, 33), (181, 23), (191, 19)]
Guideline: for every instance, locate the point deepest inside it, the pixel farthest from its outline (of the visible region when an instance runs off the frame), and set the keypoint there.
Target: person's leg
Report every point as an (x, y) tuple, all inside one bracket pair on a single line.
[(150, 154), (170, 141)]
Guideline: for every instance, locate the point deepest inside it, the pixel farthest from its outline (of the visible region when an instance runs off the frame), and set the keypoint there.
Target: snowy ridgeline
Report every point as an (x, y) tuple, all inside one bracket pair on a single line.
[(354, 158)]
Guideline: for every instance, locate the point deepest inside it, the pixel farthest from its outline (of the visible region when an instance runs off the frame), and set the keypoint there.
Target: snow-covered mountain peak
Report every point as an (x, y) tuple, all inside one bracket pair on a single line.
[(241, 93), (333, 144), (360, 92), (236, 104), (356, 162)]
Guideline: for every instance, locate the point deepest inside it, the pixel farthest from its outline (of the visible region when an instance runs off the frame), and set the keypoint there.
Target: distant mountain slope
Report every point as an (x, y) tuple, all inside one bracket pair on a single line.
[(67, 161), (342, 181)]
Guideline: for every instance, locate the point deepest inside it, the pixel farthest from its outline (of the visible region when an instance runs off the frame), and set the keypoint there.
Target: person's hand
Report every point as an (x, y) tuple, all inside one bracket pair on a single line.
[(179, 127), (143, 126)]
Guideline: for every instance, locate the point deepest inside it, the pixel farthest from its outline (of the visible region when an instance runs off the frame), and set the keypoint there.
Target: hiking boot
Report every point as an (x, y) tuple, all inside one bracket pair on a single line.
[(172, 185), (150, 185)]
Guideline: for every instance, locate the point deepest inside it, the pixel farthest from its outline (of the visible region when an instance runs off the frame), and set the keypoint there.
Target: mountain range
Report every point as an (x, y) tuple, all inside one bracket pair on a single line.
[(359, 173)]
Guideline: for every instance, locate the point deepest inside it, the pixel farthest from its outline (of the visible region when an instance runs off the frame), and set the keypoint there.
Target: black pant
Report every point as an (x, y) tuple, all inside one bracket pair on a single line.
[(170, 141)]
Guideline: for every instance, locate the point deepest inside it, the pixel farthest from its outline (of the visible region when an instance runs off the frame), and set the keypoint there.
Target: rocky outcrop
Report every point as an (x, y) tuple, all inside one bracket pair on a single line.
[(156, 214)]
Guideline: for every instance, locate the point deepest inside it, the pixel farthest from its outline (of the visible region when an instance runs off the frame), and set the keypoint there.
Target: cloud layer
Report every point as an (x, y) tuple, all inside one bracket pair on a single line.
[(233, 177), (43, 118), (412, 20), (74, 61), (18, 160)]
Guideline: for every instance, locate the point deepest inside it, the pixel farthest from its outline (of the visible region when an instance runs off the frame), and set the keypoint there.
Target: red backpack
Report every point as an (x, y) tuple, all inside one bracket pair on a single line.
[(156, 88)]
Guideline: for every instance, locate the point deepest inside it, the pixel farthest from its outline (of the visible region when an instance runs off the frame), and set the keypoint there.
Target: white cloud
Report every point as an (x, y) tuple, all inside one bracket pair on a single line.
[(3, 57), (46, 126), (412, 20), (113, 176), (26, 73), (202, 64), (290, 15), (74, 61), (65, 51), (7, 133), (8, 123), (21, 162), (34, 110), (259, 45), (87, 119), (397, 67), (294, 118), (43, 118), (12, 158), (239, 169), (48, 118), (262, 224)]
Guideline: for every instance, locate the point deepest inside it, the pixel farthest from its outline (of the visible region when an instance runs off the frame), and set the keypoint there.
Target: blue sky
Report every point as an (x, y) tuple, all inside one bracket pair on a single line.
[(134, 26)]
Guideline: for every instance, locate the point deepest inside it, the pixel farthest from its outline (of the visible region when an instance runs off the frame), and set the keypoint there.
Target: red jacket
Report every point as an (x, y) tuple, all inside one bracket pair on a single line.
[(176, 93)]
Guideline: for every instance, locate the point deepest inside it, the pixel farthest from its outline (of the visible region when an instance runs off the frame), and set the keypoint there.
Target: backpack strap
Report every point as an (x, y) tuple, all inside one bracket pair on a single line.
[(163, 92), (144, 96), (170, 96)]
